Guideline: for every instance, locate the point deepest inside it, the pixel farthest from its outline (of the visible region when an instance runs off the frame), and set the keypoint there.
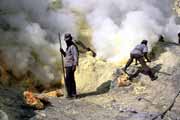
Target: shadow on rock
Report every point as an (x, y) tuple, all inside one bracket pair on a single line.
[(155, 69), (168, 43), (103, 88), (160, 48)]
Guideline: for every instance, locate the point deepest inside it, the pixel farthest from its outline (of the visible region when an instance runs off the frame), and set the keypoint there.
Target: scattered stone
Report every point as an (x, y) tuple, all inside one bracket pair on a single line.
[(123, 80), (55, 93), (39, 101), (139, 88), (33, 101), (120, 79), (116, 105)]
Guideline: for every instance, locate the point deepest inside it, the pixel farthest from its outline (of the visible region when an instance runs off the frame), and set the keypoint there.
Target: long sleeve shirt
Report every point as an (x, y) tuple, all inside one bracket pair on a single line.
[(71, 57), (140, 50)]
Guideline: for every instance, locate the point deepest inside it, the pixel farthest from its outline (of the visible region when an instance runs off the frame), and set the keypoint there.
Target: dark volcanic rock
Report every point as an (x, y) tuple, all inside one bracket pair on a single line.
[(12, 105)]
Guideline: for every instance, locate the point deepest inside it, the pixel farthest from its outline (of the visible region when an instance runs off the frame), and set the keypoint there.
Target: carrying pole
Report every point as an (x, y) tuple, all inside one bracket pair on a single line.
[(62, 60)]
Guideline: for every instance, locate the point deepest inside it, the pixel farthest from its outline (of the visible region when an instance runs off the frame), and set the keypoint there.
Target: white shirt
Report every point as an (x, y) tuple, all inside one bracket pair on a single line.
[(71, 57), (140, 49)]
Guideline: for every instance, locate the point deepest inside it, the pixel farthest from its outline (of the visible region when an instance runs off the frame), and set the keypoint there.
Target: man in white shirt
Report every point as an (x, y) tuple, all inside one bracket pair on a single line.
[(71, 61), (139, 53)]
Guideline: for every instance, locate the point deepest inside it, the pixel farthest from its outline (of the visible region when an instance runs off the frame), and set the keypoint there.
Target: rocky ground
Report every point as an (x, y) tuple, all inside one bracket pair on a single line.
[(12, 105), (142, 100)]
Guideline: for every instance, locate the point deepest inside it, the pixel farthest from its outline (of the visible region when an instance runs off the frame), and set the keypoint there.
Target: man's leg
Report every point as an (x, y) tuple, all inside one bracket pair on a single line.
[(152, 75), (136, 62), (142, 62), (68, 81), (73, 84), (128, 63), (146, 68)]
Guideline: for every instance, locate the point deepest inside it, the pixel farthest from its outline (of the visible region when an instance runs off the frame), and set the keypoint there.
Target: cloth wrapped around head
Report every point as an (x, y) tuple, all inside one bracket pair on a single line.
[(67, 37)]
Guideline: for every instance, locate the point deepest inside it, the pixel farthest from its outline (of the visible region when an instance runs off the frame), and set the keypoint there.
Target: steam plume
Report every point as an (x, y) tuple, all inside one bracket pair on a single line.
[(29, 29)]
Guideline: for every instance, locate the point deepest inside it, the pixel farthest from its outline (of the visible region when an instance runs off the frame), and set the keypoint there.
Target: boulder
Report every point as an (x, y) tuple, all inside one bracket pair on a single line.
[(33, 100)]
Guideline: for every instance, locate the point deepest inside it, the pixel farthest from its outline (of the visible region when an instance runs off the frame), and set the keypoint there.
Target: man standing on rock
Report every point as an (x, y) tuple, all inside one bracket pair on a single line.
[(139, 53), (71, 61)]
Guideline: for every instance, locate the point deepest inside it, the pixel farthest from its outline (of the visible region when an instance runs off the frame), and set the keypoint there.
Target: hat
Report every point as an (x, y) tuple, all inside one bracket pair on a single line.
[(67, 37)]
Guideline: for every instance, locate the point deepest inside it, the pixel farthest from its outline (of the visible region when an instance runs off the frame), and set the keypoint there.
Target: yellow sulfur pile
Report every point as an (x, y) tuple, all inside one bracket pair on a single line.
[(92, 72)]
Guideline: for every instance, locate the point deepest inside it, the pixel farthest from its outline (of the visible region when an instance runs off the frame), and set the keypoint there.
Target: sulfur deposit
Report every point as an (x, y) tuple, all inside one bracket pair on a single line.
[(105, 33), (92, 72)]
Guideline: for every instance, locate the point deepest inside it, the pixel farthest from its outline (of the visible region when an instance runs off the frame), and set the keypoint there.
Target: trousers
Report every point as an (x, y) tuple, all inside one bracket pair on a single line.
[(146, 69), (70, 83)]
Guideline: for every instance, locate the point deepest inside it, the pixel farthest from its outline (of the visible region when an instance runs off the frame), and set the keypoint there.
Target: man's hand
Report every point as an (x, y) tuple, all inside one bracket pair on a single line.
[(62, 51), (74, 67), (146, 56)]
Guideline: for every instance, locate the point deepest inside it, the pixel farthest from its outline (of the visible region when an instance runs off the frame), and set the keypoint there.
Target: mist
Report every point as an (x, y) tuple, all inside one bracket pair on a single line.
[(118, 25), (29, 30), (29, 37)]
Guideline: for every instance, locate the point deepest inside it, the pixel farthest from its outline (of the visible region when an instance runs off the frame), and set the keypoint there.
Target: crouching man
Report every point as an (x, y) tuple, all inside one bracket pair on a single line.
[(139, 53), (71, 61)]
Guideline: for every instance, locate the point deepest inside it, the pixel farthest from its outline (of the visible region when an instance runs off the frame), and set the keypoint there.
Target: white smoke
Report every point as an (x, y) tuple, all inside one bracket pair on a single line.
[(29, 36), (118, 25), (29, 29)]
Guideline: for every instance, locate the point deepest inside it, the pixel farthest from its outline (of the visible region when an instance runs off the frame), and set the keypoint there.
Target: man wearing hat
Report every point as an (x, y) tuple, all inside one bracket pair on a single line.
[(139, 53), (71, 61)]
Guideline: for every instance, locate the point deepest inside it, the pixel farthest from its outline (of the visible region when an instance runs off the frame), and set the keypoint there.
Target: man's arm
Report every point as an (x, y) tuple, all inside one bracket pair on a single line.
[(75, 57), (145, 52), (62, 52), (146, 56)]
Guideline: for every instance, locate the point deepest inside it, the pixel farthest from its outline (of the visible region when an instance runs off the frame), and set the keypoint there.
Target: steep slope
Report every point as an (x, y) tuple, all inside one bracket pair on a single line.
[(142, 100)]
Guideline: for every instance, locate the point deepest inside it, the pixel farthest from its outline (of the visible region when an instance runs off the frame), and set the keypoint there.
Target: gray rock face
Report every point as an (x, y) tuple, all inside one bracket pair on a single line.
[(3, 115), (12, 106)]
